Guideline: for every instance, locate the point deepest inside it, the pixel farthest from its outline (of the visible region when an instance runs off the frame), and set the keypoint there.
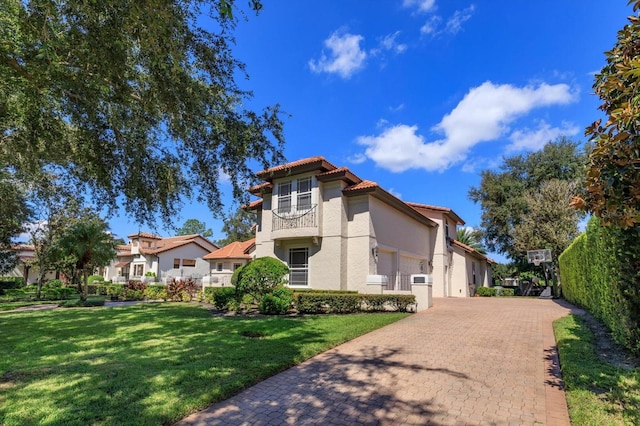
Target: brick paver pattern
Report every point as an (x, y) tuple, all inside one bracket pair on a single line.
[(477, 361)]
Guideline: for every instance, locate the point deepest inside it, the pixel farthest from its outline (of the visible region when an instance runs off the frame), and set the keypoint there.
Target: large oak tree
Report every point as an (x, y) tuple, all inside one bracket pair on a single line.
[(134, 101), (507, 196)]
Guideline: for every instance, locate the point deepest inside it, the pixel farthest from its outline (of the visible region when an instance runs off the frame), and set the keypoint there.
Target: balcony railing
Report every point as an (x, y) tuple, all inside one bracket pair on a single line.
[(295, 218)]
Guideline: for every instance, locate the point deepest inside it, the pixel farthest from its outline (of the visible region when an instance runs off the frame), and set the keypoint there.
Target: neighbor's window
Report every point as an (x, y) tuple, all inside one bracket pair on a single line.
[(284, 196), (219, 267), (304, 194), (473, 271), (188, 262), (176, 263), (236, 266), (138, 270)]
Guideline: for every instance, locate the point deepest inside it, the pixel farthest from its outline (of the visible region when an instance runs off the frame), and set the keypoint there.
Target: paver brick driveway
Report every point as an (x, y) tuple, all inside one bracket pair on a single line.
[(477, 361)]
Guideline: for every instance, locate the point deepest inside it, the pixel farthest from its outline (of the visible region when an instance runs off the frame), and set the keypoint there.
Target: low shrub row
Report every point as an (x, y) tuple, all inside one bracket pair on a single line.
[(314, 303), (494, 291), (282, 300)]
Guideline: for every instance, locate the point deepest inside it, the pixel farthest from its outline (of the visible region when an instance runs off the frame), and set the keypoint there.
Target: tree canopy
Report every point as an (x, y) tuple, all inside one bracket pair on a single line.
[(505, 194), (194, 226), (238, 227), (612, 186), (134, 102)]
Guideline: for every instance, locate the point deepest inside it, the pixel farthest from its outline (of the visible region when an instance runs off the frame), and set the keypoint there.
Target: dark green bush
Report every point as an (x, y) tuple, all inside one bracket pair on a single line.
[(278, 302), (260, 277), (224, 297), (507, 292), (10, 282), (486, 291), (78, 303)]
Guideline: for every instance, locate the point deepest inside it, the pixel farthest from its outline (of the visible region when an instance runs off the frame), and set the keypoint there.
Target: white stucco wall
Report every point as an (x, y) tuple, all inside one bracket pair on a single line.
[(189, 251)]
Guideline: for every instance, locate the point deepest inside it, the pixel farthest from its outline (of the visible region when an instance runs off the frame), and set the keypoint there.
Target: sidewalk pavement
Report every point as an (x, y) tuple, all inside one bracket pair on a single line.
[(474, 361)]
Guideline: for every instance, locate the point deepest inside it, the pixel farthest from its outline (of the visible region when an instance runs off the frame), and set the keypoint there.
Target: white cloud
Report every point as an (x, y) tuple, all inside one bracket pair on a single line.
[(345, 58), (431, 26), (454, 23), (484, 114), (389, 43), (533, 140), (420, 5), (357, 158)]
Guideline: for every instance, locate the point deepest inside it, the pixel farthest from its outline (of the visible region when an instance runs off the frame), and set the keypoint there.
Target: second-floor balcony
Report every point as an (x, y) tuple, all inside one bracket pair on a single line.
[(295, 221)]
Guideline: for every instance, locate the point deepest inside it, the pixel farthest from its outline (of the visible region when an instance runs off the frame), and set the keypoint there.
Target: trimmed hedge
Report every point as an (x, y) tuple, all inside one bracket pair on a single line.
[(495, 292), (321, 303), (7, 283), (600, 272)]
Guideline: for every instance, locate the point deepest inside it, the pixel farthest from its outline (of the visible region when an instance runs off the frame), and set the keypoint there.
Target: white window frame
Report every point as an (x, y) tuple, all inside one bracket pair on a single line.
[(292, 201)]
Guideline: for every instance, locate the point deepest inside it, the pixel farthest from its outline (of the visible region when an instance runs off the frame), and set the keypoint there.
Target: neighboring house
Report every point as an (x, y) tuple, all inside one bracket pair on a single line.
[(457, 268), (337, 231), (24, 267), (166, 257), (226, 260)]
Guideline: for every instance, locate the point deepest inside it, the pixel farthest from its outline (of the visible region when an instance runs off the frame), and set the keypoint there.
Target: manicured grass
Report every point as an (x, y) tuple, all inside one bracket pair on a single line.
[(8, 306), (598, 393), (149, 363)]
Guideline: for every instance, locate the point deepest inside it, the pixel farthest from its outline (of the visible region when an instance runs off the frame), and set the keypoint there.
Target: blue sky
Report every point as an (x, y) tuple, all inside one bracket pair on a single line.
[(421, 95)]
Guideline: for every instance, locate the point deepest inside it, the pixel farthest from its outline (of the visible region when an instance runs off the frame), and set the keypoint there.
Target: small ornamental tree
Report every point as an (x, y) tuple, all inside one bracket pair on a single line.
[(261, 277)]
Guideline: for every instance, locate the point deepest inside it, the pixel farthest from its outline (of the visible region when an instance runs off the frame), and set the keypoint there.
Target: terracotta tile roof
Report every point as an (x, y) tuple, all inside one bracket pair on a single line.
[(361, 186), (169, 243), (472, 250), (255, 204), (261, 189), (235, 250), (145, 235), (305, 164), (446, 210), (339, 173)]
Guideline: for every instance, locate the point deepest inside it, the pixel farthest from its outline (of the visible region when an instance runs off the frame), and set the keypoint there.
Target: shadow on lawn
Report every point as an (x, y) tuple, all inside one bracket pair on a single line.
[(143, 364)]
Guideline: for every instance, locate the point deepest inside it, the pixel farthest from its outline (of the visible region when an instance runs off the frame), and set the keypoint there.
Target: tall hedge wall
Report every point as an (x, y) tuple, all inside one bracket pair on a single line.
[(601, 272)]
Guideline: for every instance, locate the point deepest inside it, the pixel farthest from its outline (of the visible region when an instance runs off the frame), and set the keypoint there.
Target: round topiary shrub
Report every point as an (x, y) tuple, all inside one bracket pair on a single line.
[(260, 277)]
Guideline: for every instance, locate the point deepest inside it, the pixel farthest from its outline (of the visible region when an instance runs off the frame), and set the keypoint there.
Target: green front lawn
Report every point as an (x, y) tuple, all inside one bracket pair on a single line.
[(598, 393), (149, 363)]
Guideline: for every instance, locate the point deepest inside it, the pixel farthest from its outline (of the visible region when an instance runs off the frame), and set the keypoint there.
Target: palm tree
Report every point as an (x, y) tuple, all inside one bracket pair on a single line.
[(472, 238), (88, 245)]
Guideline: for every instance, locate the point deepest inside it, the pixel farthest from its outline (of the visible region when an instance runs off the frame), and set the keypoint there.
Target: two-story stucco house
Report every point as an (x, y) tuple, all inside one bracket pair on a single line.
[(167, 258), (337, 231)]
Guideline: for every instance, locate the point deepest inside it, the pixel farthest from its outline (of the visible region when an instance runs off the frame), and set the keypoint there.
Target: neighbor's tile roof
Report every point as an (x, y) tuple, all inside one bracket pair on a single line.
[(235, 250), (145, 235)]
